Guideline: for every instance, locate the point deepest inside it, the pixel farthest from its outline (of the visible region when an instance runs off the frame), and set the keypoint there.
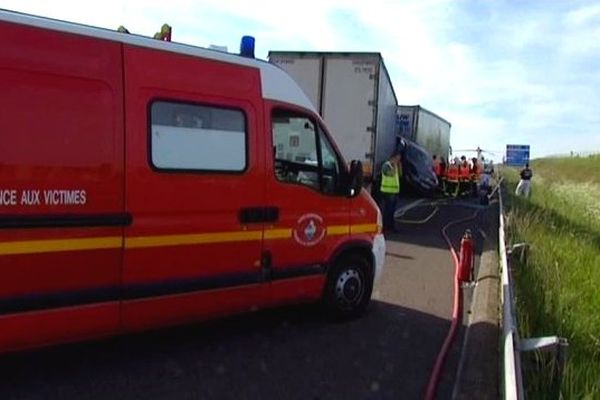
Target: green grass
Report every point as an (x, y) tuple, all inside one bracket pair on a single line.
[(558, 289), (576, 169)]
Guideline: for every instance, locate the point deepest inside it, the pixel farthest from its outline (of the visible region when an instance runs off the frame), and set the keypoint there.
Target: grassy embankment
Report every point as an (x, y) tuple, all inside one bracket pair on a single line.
[(558, 290)]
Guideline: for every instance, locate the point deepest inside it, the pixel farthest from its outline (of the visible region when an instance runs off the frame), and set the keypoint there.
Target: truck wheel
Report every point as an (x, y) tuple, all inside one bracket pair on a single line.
[(349, 286)]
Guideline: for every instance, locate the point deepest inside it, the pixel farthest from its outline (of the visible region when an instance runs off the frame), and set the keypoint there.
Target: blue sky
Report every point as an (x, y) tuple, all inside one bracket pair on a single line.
[(500, 71)]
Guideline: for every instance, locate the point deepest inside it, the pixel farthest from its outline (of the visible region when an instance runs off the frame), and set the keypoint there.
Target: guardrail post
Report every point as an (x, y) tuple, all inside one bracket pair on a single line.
[(561, 359), (523, 253), (558, 348)]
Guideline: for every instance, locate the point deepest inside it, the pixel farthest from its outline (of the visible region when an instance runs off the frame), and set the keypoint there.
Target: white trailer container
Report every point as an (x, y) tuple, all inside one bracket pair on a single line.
[(425, 128), (355, 97)]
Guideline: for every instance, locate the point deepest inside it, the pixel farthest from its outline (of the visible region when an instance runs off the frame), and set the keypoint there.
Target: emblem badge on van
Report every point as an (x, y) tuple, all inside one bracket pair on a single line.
[(309, 230)]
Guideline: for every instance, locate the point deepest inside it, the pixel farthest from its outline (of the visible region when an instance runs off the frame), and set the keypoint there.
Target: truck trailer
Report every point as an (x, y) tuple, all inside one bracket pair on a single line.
[(354, 95), (425, 128)]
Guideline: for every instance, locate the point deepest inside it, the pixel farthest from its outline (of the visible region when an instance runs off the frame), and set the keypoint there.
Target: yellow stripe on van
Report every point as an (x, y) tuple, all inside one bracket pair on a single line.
[(51, 246), (112, 242), (278, 234), (338, 230), (200, 238), (363, 228)]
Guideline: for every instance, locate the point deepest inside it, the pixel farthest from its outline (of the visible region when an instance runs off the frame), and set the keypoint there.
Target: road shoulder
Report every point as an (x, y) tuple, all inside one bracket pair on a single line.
[(479, 365)]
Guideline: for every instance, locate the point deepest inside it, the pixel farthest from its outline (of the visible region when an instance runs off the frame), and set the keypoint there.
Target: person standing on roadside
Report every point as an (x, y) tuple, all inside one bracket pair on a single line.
[(391, 173), (524, 186)]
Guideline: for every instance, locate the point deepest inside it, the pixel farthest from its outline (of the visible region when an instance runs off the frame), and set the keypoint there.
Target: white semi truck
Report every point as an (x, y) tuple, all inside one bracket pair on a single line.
[(354, 95)]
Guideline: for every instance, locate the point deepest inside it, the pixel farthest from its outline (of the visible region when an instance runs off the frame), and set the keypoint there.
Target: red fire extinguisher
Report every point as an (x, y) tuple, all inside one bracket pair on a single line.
[(466, 257)]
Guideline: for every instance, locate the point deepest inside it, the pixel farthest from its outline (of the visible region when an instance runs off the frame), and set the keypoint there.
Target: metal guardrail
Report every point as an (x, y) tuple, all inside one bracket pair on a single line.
[(513, 344), (513, 382)]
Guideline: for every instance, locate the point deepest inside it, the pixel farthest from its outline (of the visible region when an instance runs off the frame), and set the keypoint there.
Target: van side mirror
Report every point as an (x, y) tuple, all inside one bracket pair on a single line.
[(355, 178)]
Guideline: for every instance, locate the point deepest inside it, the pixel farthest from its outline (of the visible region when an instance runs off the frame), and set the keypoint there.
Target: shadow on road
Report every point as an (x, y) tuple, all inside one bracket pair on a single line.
[(290, 353)]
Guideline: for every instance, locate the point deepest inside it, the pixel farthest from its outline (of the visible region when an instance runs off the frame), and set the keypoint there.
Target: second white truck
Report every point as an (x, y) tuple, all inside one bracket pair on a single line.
[(425, 128)]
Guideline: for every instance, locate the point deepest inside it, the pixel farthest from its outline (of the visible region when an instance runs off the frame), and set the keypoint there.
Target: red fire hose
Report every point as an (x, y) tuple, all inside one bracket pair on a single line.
[(456, 310)]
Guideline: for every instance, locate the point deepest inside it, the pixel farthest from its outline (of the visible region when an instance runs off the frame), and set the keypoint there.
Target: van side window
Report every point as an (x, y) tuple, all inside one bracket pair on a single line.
[(197, 137), (302, 153)]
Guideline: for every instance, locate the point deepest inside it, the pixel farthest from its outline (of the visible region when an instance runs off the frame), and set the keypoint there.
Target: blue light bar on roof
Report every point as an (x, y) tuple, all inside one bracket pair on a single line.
[(247, 46)]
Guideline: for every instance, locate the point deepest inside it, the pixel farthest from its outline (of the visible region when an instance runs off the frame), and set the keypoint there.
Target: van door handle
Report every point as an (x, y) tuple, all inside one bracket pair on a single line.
[(255, 215)]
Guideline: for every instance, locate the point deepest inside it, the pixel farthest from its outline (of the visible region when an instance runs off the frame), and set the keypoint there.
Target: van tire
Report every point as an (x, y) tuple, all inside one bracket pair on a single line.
[(348, 289)]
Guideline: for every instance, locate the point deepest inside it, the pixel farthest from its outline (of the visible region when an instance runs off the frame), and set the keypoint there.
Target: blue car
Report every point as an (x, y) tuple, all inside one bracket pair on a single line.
[(417, 168)]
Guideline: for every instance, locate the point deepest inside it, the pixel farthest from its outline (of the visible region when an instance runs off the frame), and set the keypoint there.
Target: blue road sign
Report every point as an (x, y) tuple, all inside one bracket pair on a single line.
[(517, 154)]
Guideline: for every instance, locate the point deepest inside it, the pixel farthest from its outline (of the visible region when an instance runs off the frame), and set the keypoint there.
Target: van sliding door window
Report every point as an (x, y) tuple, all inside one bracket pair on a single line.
[(302, 153), (197, 137)]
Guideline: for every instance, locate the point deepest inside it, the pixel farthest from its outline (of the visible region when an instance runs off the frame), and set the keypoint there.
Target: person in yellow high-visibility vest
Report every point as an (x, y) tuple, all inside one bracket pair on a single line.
[(391, 175)]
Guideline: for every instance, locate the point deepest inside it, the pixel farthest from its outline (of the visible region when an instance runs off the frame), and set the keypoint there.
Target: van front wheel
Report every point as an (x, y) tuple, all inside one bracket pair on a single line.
[(349, 286)]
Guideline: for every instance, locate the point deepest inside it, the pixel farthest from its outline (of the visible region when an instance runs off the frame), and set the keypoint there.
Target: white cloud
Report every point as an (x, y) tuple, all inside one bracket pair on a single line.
[(584, 15)]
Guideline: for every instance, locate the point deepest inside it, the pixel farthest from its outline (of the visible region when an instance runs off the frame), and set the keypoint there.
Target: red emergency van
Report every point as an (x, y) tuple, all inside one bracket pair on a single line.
[(146, 183)]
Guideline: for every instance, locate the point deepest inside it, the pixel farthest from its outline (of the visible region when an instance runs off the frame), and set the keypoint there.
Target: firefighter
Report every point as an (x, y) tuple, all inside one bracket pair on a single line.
[(453, 179), (474, 175), (391, 174), (443, 173), (464, 176)]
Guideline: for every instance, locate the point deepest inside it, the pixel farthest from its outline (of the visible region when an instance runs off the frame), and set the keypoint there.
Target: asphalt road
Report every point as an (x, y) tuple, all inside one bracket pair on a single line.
[(290, 353)]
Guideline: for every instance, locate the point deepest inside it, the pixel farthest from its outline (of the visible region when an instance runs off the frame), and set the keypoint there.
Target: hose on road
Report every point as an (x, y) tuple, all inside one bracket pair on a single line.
[(421, 221), (456, 311)]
